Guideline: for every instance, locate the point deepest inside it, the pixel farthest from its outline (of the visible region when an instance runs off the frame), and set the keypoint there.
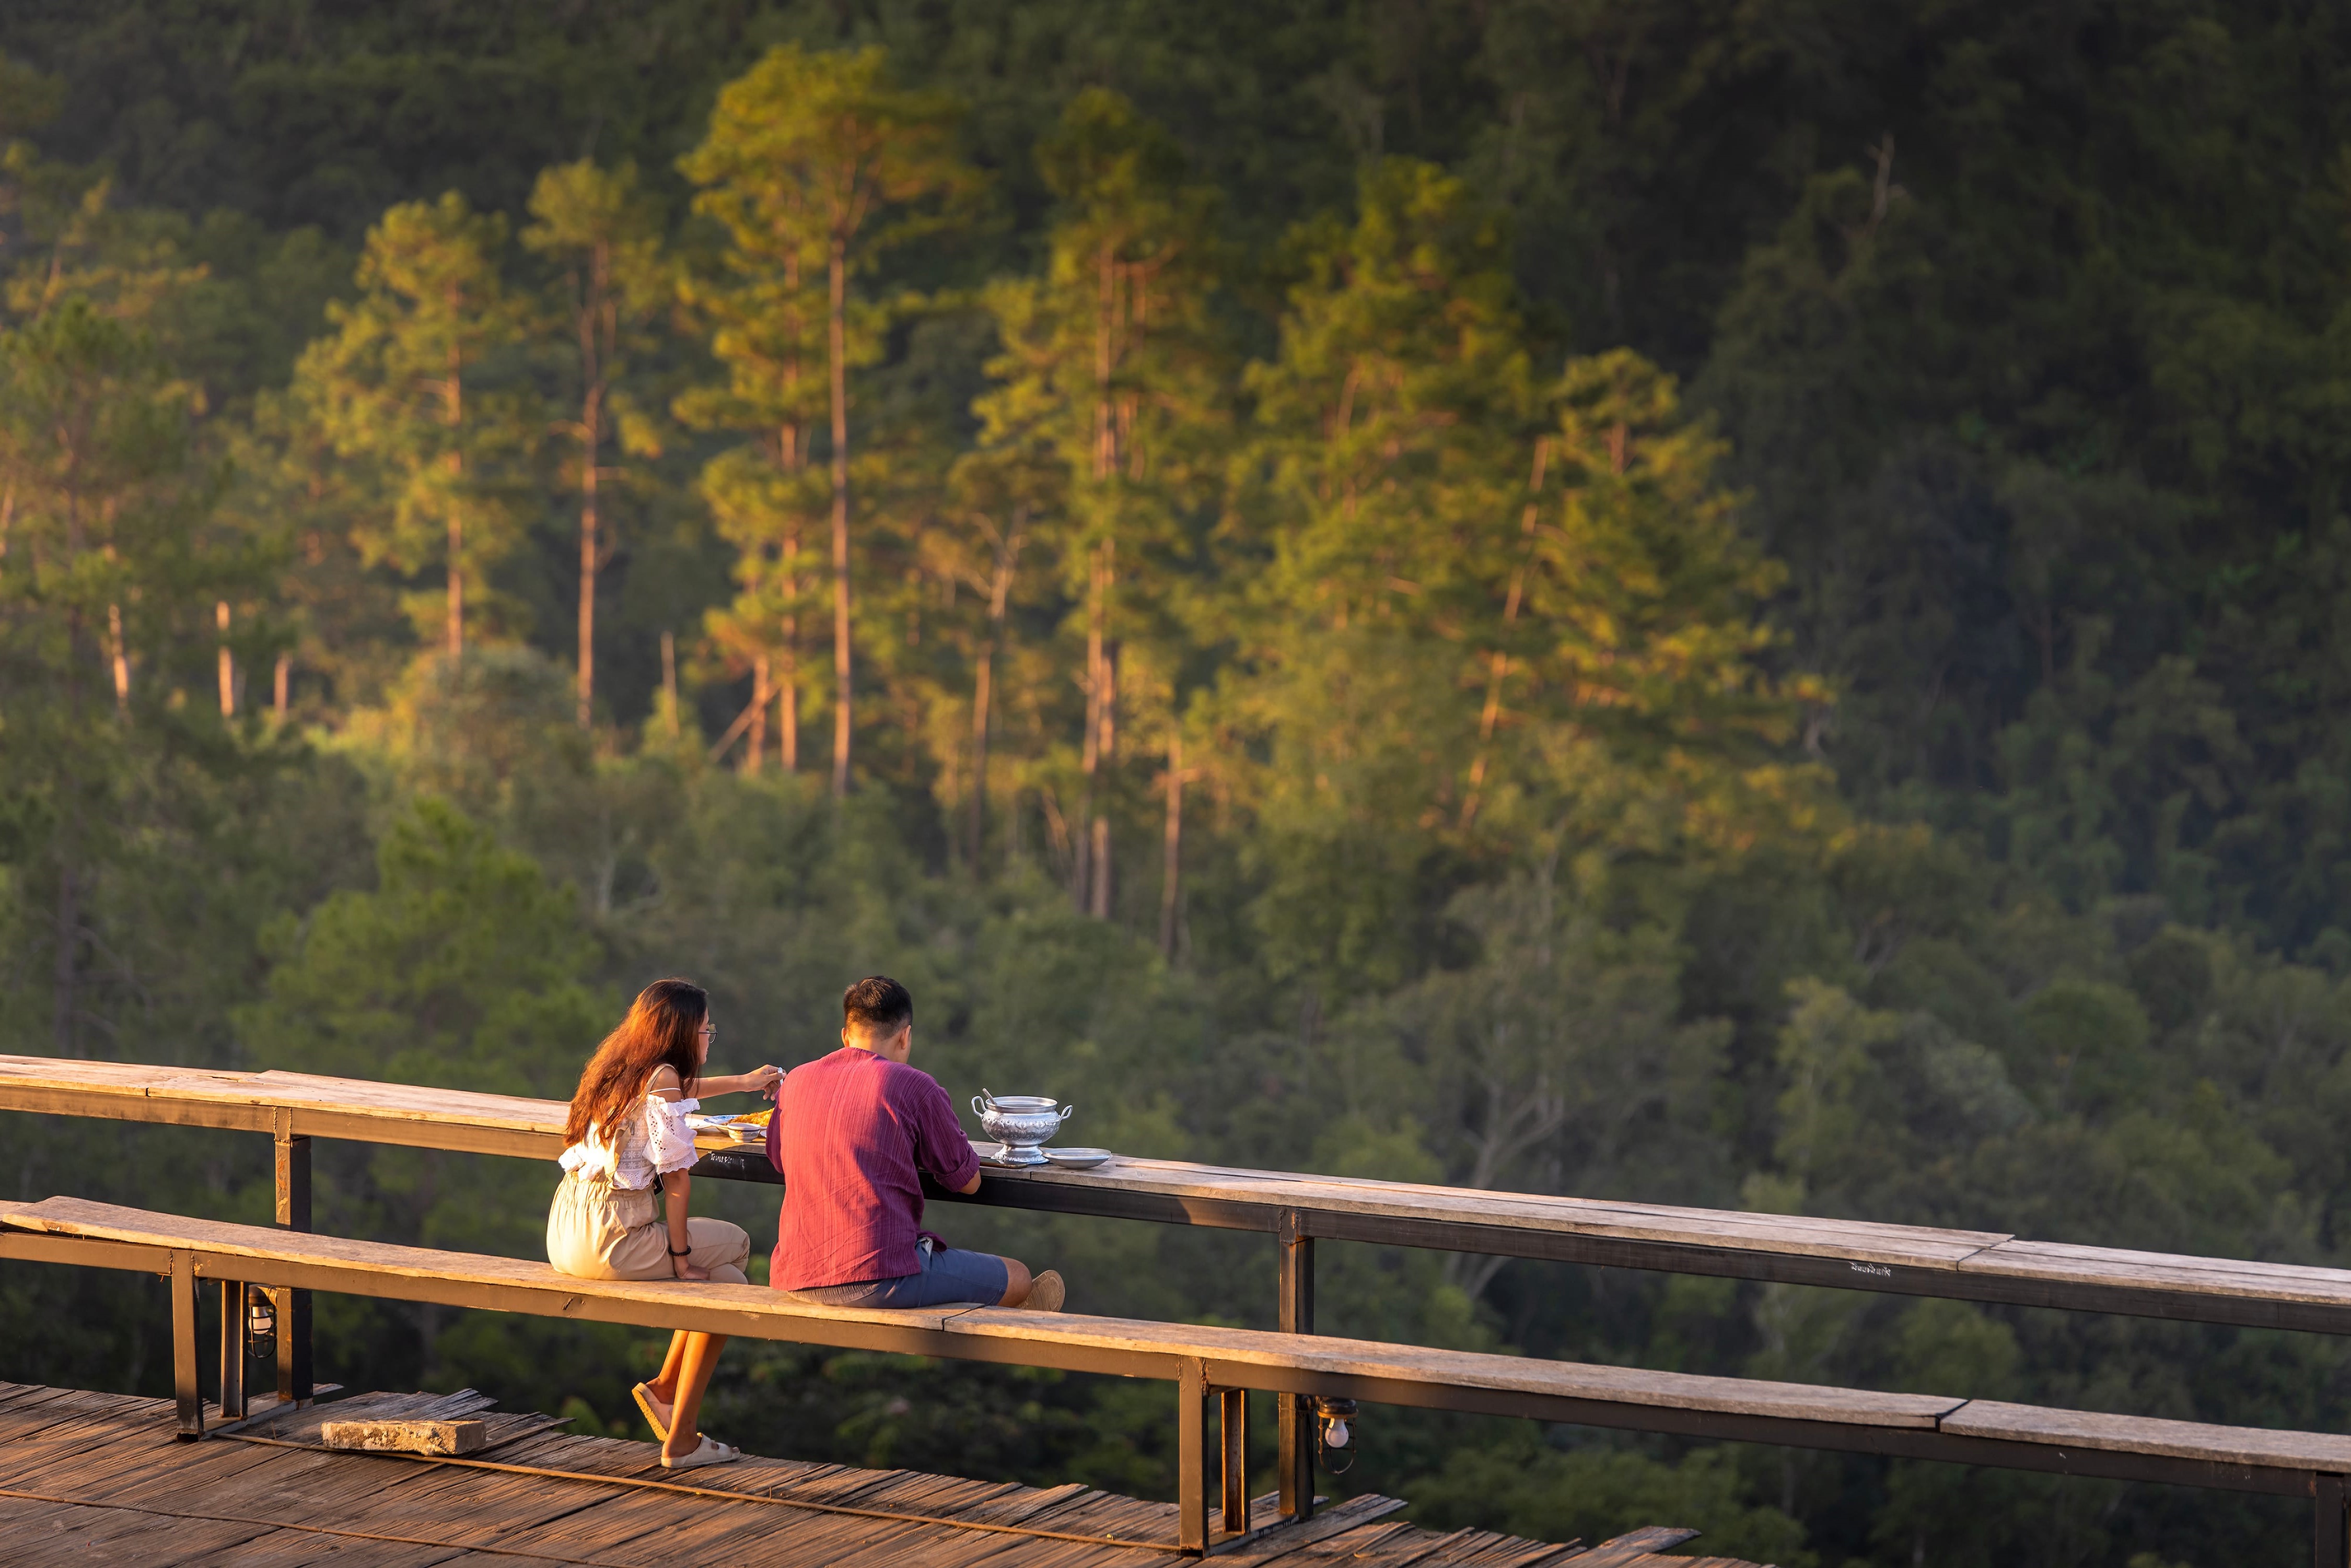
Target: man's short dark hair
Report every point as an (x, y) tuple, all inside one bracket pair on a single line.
[(878, 1004)]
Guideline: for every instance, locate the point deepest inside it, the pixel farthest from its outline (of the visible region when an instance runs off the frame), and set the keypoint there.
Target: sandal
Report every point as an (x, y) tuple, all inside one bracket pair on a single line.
[(643, 1395), (1046, 1292), (709, 1451)]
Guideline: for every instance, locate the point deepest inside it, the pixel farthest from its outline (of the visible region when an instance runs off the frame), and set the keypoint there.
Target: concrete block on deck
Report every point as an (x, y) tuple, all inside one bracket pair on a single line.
[(443, 1438)]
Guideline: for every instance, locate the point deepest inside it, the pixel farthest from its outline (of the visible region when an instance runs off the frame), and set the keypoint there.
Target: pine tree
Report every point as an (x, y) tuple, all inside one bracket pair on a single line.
[(816, 153), (595, 225), (1509, 614), (1107, 364), (766, 324), (397, 385), (111, 577)]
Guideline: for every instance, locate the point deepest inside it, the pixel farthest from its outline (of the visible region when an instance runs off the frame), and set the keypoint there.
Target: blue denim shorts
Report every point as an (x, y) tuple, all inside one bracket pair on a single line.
[(948, 1277)]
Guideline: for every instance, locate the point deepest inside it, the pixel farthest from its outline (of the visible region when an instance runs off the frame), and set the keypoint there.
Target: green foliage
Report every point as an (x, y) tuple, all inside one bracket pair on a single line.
[(1660, 603), (396, 385), (1591, 1494), (461, 968)]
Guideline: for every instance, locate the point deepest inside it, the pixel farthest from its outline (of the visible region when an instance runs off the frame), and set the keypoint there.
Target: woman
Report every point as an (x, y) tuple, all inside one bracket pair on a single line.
[(626, 1142)]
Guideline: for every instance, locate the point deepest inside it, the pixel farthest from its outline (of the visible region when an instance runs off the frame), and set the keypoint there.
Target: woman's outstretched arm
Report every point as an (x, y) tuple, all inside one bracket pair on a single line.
[(758, 1080)]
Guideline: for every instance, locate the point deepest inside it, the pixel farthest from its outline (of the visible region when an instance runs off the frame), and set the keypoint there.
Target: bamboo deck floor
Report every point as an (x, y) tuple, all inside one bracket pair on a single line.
[(100, 1479)]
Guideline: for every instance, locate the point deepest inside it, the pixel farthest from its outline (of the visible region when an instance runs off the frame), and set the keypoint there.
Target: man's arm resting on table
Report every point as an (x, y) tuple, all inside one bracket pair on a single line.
[(967, 1188)]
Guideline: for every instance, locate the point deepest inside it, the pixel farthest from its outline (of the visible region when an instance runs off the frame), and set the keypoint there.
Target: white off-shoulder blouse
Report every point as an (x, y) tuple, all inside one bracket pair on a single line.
[(654, 1142)]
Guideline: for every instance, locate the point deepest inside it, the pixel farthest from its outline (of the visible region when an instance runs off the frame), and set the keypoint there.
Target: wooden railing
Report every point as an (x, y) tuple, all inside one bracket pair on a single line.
[(1213, 1368), (1296, 1209)]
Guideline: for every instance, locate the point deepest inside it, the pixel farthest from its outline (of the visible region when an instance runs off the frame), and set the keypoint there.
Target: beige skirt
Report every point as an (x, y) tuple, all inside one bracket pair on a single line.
[(599, 1231)]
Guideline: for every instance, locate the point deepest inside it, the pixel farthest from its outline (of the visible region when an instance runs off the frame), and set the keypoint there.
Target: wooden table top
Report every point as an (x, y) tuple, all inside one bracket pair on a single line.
[(1859, 1254)]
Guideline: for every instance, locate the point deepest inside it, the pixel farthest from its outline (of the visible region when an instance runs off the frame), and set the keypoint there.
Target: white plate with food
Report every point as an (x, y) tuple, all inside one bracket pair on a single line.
[(750, 1128)]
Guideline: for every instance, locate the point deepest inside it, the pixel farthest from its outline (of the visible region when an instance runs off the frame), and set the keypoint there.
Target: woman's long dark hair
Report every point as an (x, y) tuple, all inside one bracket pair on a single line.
[(661, 1028)]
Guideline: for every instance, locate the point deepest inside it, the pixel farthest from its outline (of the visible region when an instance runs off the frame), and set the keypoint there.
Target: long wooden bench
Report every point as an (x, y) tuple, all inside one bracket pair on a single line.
[(1968, 1265), (1210, 1366)]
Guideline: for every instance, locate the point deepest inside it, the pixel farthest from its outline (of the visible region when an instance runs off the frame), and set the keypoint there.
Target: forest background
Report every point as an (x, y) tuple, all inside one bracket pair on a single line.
[(1716, 602)]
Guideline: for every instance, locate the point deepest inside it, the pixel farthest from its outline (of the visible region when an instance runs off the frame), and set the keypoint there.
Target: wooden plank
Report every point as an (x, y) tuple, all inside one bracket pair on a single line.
[(61, 1443), (1351, 1545), (1430, 1550), (1915, 1245), (2147, 1434), (1338, 1519), (1513, 1553), (95, 1533), (2115, 1267), (465, 1510), (27, 1416), (1239, 1355), (1633, 1546), (1606, 1395), (459, 1505), (458, 1279), (1973, 1265)]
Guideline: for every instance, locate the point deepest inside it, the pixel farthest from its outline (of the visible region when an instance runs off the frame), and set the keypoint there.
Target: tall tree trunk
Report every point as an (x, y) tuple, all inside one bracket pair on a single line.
[(454, 630), (999, 592), (277, 687), (120, 658), (755, 745), (669, 680), (788, 717), (591, 546), (792, 448), (837, 345), (976, 807), (65, 919), (599, 340), (452, 405), (227, 663), (1081, 857), (1092, 843), (1171, 849), (1499, 662), (1098, 858)]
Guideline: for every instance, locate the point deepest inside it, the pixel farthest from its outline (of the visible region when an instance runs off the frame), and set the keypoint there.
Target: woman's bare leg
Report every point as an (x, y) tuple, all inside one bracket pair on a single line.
[(663, 1387), (700, 1359), (1016, 1282)]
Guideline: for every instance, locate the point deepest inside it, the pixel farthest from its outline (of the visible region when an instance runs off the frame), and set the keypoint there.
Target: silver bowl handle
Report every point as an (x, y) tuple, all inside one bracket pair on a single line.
[(1066, 1110), (978, 1109)]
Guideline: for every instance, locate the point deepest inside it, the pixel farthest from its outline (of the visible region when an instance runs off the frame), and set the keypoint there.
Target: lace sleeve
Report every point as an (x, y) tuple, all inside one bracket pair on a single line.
[(669, 1142)]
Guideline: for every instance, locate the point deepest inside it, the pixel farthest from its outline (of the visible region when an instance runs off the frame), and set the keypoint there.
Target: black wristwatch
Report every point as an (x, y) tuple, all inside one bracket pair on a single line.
[(676, 1253)]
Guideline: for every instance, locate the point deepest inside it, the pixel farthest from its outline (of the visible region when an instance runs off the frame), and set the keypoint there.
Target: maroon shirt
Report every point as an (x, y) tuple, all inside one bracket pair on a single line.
[(850, 1134)]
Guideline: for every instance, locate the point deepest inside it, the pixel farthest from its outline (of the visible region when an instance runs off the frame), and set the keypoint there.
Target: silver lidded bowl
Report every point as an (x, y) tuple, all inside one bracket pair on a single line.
[(1023, 1124)]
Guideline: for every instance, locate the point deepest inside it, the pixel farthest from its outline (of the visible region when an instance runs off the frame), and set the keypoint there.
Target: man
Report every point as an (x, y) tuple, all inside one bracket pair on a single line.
[(854, 1134)]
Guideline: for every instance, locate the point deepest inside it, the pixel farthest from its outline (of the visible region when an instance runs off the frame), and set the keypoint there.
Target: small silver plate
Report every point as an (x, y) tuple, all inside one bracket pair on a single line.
[(1079, 1159)]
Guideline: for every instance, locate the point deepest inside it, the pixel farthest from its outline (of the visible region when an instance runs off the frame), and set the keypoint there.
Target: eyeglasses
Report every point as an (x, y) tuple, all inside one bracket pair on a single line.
[(710, 1032)]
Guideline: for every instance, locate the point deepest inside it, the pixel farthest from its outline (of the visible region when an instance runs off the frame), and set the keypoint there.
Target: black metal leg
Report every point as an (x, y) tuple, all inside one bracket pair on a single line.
[(294, 1366), (184, 1393), (1295, 1413), (2330, 1531), (1192, 1397), (1232, 1426), (233, 1350)]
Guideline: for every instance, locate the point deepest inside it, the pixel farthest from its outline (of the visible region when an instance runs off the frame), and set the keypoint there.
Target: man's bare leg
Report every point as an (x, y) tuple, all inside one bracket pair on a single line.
[(1044, 1292)]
